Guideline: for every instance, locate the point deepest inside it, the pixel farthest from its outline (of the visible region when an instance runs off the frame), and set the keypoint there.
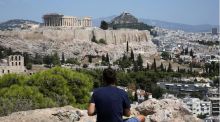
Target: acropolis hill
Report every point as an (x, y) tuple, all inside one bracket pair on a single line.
[(76, 41)]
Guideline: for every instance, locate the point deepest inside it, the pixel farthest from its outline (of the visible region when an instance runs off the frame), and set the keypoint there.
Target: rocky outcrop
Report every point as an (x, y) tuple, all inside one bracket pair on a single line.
[(64, 114), (165, 110), (124, 18), (77, 42)]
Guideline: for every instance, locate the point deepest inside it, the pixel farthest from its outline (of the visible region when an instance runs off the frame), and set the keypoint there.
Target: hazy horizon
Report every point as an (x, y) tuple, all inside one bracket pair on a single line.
[(190, 12)]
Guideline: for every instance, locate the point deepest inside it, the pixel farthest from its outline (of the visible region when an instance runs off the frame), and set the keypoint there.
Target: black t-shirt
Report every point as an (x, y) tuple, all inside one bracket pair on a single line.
[(110, 102)]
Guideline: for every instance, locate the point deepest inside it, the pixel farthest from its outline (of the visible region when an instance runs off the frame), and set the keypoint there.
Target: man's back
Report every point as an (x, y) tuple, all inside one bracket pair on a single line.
[(110, 103)]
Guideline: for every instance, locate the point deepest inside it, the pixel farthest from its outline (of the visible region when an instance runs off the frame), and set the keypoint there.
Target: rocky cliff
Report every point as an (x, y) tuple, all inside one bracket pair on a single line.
[(77, 42), (165, 110)]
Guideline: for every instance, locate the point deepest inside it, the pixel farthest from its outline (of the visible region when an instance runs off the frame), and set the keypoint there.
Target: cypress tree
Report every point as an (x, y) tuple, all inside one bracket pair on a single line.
[(132, 55), (148, 66), (127, 47), (107, 58), (140, 62), (154, 66), (135, 66), (161, 67), (191, 53), (63, 58), (169, 68)]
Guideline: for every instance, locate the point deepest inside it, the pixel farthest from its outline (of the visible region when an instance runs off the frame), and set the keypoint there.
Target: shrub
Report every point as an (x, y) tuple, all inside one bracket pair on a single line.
[(54, 87), (102, 41)]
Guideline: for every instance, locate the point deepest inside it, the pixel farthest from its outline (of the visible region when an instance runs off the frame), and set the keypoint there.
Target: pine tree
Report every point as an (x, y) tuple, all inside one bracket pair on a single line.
[(104, 25)]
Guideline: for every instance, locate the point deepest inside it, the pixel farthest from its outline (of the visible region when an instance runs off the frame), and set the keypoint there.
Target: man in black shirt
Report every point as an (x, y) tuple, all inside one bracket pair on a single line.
[(111, 103)]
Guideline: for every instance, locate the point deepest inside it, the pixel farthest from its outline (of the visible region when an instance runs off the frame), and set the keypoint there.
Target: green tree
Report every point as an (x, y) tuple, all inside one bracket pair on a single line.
[(26, 58), (135, 66), (161, 67), (154, 65), (107, 58), (170, 68), (191, 53), (1, 54), (186, 51), (140, 62), (37, 59), (9, 51), (124, 62), (102, 41), (132, 55), (47, 60), (72, 61), (104, 25), (29, 66), (127, 47), (148, 66), (63, 58), (56, 59), (157, 92), (165, 55)]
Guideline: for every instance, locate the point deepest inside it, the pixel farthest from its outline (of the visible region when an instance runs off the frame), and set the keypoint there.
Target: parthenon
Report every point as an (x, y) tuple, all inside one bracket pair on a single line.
[(66, 21)]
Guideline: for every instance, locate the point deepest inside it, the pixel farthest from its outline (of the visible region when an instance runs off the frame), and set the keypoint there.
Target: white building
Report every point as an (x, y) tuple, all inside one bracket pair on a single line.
[(60, 20), (214, 97), (198, 106), (14, 64)]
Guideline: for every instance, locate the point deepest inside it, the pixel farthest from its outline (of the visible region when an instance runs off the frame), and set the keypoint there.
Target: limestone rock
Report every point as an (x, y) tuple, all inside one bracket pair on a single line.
[(166, 110), (77, 42), (63, 114)]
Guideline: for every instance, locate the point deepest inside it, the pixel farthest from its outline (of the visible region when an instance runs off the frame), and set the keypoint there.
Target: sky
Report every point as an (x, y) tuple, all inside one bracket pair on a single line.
[(193, 12)]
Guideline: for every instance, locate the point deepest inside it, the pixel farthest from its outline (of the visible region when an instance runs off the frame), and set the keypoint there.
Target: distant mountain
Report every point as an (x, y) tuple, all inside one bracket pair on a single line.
[(164, 24), (17, 23)]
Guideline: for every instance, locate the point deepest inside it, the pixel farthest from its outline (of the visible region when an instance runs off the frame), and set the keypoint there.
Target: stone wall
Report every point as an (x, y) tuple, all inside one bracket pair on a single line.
[(111, 36)]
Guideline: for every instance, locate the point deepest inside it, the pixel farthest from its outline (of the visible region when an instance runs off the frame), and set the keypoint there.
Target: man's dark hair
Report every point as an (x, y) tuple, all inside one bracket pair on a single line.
[(109, 76)]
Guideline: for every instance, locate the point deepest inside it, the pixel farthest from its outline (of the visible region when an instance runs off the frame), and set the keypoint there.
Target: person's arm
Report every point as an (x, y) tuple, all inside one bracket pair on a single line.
[(126, 105), (91, 109)]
